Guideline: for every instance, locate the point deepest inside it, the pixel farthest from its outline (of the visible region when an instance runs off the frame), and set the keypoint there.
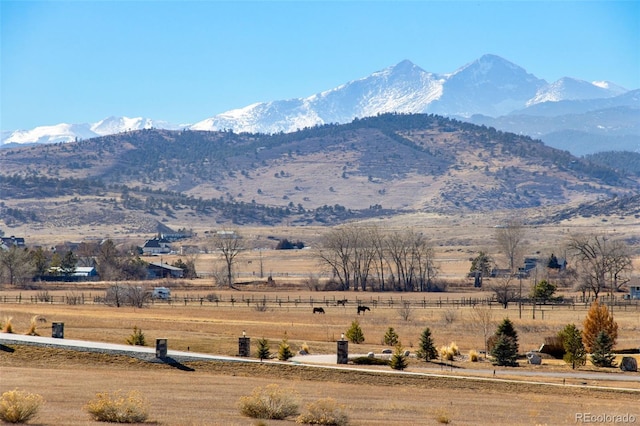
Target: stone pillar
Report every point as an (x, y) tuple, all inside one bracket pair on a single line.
[(244, 345), (57, 330), (161, 348), (343, 350)]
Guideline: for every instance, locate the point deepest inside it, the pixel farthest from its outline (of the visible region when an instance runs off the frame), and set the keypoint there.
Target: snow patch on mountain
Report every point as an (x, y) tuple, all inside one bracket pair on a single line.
[(573, 89)]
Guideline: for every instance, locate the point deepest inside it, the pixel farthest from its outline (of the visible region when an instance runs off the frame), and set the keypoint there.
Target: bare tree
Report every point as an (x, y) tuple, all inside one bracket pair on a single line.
[(336, 252), (229, 245), (16, 266), (510, 239), (601, 262), (504, 290), (482, 317)]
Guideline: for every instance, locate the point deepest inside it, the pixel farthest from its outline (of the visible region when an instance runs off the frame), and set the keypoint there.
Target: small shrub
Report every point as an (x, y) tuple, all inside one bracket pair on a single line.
[(212, 297), (325, 411), (8, 326), (405, 311), (118, 407), (473, 355), (391, 337), (43, 296), (270, 402), (263, 351), (261, 306), (284, 350), (19, 406), (442, 416), (399, 359), (365, 360), (137, 338), (354, 333), (449, 316)]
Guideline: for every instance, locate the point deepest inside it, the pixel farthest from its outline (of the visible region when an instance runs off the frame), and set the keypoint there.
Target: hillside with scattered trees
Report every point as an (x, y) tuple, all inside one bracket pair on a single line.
[(384, 165)]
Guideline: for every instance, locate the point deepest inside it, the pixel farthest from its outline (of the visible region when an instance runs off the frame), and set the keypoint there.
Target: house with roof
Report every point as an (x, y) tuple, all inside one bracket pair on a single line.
[(163, 270), (634, 291), (7, 242), (156, 246)]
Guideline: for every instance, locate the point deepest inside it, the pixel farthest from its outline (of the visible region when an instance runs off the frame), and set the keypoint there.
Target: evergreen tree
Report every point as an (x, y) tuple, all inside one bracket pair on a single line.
[(284, 350), (506, 327), (505, 351), (543, 290), (552, 263), (602, 355), (575, 353), (398, 359), (505, 348), (354, 333), (391, 337), (598, 319), (427, 350), (68, 264), (482, 263), (263, 349)]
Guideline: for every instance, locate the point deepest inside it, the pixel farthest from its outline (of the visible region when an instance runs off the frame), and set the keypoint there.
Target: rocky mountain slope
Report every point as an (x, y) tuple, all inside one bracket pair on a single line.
[(385, 165)]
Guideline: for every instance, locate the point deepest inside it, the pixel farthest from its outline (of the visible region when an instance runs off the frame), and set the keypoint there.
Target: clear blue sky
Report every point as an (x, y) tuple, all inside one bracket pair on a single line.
[(182, 62)]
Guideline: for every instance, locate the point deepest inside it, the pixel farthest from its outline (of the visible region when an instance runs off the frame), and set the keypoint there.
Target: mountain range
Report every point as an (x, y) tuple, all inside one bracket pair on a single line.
[(570, 114), (383, 166)]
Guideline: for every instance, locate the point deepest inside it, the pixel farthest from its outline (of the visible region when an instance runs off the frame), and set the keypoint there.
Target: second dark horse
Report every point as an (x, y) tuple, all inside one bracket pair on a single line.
[(363, 309)]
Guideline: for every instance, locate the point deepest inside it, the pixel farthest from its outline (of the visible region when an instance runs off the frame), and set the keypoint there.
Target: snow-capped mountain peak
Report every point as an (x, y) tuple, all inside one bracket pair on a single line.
[(489, 86)]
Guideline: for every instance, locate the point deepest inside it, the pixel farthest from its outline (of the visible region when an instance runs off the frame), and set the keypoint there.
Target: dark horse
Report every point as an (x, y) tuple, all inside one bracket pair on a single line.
[(318, 311), (363, 309), (341, 302)]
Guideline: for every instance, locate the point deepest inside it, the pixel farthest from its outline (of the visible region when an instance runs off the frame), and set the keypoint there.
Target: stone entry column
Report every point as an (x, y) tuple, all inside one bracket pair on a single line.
[(57, 330), (343, 350), (161, 348), (244, 345)]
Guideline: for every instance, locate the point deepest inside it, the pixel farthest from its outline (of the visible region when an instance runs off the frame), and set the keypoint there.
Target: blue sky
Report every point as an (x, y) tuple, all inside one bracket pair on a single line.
[(182, 62)]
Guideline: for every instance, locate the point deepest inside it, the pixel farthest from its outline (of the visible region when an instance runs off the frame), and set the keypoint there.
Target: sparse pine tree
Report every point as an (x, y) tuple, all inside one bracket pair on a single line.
[(398, 359), (391, 337), (602, 355), (263, 351), (427, 349), (354, 333), (598, 319), (575, 353), (284, 350), (137, 338)]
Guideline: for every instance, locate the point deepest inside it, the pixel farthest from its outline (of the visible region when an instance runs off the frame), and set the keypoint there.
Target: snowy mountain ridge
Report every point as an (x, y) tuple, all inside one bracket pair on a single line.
[(489, 86)]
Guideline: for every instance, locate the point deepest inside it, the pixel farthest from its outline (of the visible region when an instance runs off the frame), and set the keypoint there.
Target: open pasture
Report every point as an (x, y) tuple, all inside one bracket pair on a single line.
[(211, 322), (208, 395)]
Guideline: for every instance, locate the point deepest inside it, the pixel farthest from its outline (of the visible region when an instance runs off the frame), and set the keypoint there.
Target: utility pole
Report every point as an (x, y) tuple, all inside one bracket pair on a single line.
[(520, 298)]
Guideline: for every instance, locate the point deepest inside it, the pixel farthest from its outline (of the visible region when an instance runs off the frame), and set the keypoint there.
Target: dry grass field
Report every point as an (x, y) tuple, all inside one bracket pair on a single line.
[(209, 394)]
